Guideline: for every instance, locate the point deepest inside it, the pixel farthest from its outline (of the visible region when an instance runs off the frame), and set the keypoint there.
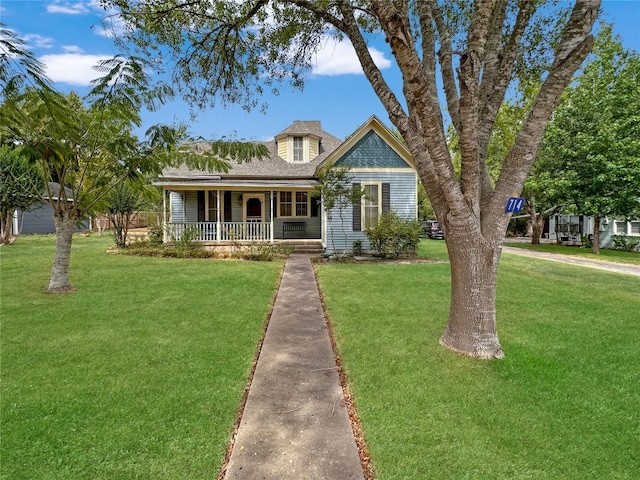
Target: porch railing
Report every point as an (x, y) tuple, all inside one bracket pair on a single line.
[(229, 231)]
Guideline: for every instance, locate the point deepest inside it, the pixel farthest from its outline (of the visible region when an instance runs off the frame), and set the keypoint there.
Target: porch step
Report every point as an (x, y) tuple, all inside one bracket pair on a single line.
[(312, 247)]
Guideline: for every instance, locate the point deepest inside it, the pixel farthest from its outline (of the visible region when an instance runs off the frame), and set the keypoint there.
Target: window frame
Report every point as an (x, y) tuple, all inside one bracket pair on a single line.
[(364, 203), (297, 150), (294, 203)]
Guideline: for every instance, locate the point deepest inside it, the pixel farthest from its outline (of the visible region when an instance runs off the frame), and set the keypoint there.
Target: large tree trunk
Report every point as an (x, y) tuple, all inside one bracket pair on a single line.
[(472, 317), (65, 222)]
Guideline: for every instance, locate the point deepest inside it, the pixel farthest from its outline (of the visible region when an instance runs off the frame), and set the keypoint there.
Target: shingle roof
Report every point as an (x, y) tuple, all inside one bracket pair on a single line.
[(273, 166), (303, 127)]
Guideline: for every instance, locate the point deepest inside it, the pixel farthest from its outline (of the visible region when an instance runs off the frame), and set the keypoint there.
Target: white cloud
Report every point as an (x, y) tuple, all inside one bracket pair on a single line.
[(339, 58), (72, 49), (68, 8), (38, 41), (72, 68)]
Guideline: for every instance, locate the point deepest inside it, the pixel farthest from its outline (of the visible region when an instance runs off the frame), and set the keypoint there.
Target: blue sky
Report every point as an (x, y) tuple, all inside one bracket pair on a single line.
[(67, 37)]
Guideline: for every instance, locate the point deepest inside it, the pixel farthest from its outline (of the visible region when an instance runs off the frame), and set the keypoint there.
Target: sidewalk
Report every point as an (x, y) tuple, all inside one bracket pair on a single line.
[(295, 425)]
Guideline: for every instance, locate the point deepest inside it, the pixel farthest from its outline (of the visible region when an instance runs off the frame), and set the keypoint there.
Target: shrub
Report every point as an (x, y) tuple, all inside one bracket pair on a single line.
[(264, 252), (627, 244), (357, 247), (184, 241), (394, 236)]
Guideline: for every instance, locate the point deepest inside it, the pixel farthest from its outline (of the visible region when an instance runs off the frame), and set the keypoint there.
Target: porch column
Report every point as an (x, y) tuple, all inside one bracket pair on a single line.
[(218, 224), (164, 214), (271, 217)]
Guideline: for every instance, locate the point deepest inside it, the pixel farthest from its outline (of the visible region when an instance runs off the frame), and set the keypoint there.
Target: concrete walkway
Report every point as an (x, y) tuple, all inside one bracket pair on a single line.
[(295, 425), (583, 262)]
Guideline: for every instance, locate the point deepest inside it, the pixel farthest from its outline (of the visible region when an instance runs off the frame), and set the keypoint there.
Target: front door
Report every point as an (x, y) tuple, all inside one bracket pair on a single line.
[(253, 210)]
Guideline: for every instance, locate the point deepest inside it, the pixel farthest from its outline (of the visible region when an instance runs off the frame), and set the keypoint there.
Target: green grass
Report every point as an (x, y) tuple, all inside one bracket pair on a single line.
[(139, 374), (563, 404), (608, 255)]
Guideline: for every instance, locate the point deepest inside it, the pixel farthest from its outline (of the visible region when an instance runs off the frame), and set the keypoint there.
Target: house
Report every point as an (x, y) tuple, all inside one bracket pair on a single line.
[(39, 219), (270, 199), (570, 229)]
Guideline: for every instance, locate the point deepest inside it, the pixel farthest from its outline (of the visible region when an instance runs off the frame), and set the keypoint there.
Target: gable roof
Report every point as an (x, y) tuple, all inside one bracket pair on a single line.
[(373, 143)]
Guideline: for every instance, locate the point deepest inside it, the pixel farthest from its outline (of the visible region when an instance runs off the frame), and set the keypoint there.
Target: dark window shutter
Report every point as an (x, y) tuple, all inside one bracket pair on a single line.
[(315, 206), (386, 197), (227, 206), (200, 195), (274, 205), (357, 212)]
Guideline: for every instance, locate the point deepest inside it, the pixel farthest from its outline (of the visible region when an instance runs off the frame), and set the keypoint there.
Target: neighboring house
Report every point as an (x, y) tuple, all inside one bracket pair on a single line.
[(571, 228), (39, 219), (271, 200)]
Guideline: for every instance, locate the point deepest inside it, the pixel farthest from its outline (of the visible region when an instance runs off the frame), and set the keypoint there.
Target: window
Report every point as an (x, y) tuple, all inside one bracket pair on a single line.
[(285, 204), (294, 204), (370, 205), (298, 152), (302, 204), (621, 227), (634, 227)]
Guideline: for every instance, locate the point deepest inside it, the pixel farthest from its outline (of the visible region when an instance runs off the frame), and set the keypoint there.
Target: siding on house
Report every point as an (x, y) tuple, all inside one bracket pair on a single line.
[(39, 220), (371, 152), (403, 201), (607, 227), (176, 199)]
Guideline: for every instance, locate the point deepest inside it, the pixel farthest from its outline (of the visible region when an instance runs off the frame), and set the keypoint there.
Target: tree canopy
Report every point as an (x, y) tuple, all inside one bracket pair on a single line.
[(590, 160)]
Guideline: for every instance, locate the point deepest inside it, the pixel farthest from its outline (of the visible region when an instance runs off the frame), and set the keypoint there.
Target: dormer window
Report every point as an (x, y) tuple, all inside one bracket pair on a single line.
[(298, 150), (300, 142)]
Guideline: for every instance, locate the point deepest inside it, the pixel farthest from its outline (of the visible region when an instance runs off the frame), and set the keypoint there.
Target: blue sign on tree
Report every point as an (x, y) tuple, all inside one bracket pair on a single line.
[(514, 204)]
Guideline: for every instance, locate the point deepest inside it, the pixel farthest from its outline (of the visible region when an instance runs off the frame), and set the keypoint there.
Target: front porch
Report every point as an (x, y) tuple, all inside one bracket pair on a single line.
[(209, 232), (219, 217)]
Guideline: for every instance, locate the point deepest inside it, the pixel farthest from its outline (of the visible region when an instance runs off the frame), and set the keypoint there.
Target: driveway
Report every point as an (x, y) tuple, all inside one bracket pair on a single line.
[(583, 262)]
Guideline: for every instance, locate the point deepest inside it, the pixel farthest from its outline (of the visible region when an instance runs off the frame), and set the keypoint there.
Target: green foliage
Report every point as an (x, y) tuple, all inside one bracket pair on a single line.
[(357, 247), (625, 243), (122, 202), (590, 156), (20, 183), (264, 252), (19, 68), (20, 187), (425, 210), (184, 240), (394, 236)]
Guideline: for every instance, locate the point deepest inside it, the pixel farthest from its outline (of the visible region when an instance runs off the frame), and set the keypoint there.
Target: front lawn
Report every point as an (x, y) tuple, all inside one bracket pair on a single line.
[(563, 404), (139, 374)]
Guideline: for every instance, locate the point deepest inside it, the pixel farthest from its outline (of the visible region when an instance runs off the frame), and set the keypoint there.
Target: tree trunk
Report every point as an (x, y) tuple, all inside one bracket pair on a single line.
[(65, 222), (595, 242), (5, 229), (537, 226), (471, 329)]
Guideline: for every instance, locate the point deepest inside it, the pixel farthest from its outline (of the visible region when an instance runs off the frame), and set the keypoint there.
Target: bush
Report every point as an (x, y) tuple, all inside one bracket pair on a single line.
[(264, 252), (624, 243), (394, 236), (357, 247), (184, 241)]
